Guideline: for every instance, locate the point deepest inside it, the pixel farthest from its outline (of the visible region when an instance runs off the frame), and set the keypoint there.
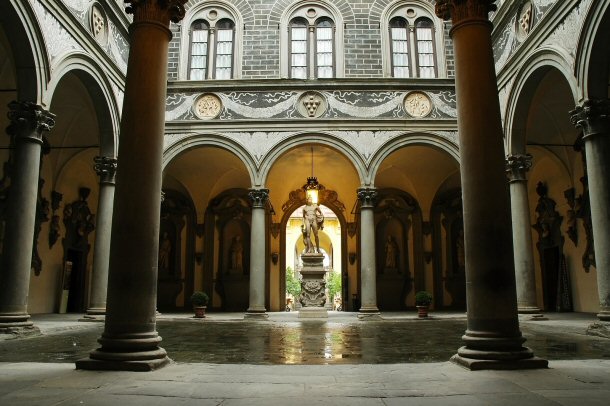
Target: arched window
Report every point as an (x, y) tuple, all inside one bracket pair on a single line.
[(399, 43), (324, 49), (198, 61), (298, 48), (224, 49), (411, 45), (211, 45), (424, 34), (312, 49)]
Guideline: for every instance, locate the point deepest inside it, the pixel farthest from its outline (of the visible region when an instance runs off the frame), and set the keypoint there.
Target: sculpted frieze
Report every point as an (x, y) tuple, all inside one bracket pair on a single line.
[(439, 104), (58, 40)]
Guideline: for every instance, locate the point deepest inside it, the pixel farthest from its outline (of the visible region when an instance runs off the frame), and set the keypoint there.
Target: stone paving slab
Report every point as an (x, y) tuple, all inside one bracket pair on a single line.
[(583, 382)]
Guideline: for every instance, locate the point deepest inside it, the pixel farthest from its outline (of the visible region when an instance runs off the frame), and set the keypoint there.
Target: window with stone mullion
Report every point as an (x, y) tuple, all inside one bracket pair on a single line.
[(199, 51)]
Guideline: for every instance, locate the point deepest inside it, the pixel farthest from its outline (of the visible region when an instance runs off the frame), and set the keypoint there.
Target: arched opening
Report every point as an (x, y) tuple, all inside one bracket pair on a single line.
[(412, 253), (339, 181), (206, 218), (558, 195)]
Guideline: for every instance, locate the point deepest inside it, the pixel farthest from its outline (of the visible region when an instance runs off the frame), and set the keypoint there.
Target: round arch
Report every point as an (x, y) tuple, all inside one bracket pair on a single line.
[(307, 138), (193, 141), (535, 67), (100, 90), (31, 59), (410, 139), (592, 60)]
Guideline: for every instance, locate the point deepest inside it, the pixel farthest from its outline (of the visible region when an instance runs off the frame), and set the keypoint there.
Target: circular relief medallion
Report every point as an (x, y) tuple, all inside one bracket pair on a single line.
[(98, 24), (207, 106), (311, 104), (418, 104)]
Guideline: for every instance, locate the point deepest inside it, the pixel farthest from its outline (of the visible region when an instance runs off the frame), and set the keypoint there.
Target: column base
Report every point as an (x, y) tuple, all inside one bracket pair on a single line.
[(369, 313), (528, 310), (256, 314), (94, 314), (474, 364), (599, 329), (123, 365), (126, 352), (18, 325), (313, 313), (604, 315)]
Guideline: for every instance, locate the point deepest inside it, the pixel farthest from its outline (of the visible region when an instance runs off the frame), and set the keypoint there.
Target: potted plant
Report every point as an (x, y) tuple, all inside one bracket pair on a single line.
[(422, 301), (199, 300)]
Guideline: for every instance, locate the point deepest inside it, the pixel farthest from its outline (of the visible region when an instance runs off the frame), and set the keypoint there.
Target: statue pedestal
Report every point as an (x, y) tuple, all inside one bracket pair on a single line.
[(313, 295)]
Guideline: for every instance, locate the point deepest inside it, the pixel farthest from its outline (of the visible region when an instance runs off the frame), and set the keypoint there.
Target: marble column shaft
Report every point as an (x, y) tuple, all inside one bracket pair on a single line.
[(28, 122), (258, 238), (593, 116), (105, 167), (492, 339), (368, 272), (516, 167), (130, 340)]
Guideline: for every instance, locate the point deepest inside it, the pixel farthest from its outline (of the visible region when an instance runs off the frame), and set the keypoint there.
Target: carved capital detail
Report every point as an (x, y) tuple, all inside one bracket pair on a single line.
[(367, 196), (517, 165), (162, 11), (29, 120), (593, 116), (460, 10), (258, 196), (105, 167)]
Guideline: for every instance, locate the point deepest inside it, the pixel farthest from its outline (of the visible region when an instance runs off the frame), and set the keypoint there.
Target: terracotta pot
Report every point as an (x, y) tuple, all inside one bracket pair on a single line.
[(422, 311), (199, 311)]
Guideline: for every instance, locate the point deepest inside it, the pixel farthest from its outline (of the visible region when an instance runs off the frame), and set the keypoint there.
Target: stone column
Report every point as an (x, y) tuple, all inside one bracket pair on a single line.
[(258, 238), (105, 167), (492, 339), (130, 340), (593, 117), (368, 271), (28, 122), (516, 167)]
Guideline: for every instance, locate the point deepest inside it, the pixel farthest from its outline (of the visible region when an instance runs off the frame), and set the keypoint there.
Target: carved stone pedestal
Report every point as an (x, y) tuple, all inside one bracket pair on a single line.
[(313, 297)]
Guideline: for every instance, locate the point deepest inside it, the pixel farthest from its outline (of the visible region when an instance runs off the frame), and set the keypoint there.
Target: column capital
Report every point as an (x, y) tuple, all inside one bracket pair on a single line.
[(461, 10), (105, 167), (258, 196), (593, 116), (517, 165), (162, 11), (367, 196), (29, 120)]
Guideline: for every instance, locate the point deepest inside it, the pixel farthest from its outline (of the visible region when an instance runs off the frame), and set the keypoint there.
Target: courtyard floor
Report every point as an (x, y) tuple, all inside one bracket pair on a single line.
[(226, 360)]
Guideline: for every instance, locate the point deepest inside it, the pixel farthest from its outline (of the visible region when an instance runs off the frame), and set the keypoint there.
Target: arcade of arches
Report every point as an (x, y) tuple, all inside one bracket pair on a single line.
[(200, 190)]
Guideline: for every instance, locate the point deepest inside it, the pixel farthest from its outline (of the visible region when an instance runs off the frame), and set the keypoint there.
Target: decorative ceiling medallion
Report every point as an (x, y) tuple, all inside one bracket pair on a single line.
[(418, 104), (207, 106), (524, 21), (98, 24), (312, 104)]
